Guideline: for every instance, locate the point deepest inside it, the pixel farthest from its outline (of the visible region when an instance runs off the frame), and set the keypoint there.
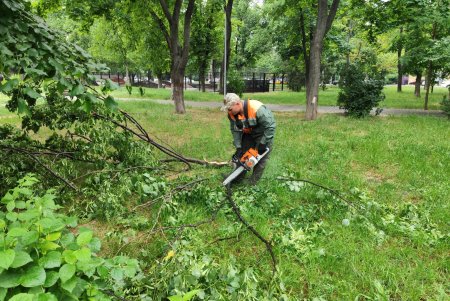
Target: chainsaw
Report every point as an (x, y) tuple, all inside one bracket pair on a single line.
[(245, 163)]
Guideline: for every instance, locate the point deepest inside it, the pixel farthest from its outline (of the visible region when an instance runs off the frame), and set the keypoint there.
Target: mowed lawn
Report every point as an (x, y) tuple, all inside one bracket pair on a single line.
[(394, 242), (328, 97)]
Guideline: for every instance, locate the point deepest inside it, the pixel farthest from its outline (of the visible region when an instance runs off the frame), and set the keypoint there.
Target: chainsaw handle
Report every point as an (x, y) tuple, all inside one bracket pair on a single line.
[(263, 154)]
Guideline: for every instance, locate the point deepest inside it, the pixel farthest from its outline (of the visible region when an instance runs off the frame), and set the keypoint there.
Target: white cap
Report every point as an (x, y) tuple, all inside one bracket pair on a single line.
[(229, 100)]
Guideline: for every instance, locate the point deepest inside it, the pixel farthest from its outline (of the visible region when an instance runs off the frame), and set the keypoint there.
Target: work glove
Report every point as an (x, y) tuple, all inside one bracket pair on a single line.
[(261, 148), (237, 155)]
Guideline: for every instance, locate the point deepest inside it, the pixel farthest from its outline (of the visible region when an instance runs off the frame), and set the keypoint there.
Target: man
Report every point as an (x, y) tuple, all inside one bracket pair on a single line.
[(252, 126)]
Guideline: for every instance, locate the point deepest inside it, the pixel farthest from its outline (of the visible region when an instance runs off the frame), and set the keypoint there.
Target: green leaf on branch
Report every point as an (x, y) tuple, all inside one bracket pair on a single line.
[(21, 259), (77, 90), (51, 279), (9, 279), (32, 93), (83, 254), (70, 284), (46, 297), (22, 297), (111, 104), (51, 260), (6, 258), (66, 272), (84, 238), (33, 71), (9, 85), (34, 276), (23, 107)]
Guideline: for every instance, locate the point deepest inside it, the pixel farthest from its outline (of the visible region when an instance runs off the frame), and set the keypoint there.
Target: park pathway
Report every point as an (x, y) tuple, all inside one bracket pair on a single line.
[(293, 108)]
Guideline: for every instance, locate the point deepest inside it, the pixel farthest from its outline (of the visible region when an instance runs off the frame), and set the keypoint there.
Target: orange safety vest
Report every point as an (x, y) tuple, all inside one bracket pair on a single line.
[(249, 118)]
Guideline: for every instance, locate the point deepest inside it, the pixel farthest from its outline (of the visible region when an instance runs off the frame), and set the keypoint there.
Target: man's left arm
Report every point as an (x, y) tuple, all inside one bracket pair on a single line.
[(266, 120)]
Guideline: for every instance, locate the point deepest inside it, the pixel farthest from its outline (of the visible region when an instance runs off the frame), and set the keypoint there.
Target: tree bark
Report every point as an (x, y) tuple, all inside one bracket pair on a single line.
[(228, 10), (429, 76), (324, 20), (177, 77), (399, 63), (418, 84), (428, 80)]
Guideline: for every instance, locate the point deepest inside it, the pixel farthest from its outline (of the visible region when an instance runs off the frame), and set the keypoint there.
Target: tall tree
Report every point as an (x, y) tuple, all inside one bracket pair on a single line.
[(205, 38), (178, 46), (325, 17)]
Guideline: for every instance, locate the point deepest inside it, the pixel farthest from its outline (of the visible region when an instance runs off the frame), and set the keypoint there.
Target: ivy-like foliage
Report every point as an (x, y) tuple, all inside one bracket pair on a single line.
[(44, 257)]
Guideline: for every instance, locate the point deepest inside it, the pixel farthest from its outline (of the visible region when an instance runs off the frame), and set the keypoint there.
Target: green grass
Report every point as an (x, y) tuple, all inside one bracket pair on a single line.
[(404, 99), (394, 160)]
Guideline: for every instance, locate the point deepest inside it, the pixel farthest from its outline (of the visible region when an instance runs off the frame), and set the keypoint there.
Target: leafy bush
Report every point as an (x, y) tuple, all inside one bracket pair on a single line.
[(296, 80), (43, 259), (235, 83), (360, 91), (446, 106)]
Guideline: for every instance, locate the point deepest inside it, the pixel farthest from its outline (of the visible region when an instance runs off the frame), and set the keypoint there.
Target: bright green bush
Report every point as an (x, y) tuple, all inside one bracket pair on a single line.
[(44, 257), (235, 83), (360, 91)]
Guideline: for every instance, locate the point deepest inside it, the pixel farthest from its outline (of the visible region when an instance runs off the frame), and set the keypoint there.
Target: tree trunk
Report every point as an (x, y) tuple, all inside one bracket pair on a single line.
[(429, 76), (324, 20), (399, 63), (160, 79), (418, 84), (428, 80), (312, 89), (127, 75), (228, 10), (177, 77)]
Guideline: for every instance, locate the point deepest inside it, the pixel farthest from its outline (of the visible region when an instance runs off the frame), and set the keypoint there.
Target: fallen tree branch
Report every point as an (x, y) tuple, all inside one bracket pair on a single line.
[(237, 211), (116, 171), (34, 158), (141, 134)]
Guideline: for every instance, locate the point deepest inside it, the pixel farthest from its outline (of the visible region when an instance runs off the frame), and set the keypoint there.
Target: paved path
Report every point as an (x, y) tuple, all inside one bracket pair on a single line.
[(293, 108)]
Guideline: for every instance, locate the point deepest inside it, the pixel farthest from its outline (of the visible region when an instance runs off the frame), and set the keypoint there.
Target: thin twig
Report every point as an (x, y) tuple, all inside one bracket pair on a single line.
[(237, 211), (335, 192)]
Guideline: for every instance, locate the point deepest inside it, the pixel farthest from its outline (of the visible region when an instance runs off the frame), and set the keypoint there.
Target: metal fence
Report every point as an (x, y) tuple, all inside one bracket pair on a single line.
[(254, 81)]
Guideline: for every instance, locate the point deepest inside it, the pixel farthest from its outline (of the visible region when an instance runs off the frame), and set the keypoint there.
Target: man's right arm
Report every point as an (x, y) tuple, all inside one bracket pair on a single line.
[(236, 133)]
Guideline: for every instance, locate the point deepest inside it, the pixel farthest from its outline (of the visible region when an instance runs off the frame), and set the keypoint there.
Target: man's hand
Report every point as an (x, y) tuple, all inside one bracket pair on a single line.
[(261, 149), (237, 155)]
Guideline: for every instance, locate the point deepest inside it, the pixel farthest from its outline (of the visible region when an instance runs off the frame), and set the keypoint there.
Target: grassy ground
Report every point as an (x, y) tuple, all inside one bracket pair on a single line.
[(396, 162), (405, 99)]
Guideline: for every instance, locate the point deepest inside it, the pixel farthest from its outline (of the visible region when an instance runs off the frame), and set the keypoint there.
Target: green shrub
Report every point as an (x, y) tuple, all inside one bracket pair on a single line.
[(360, 91), (235, 83), (296, 80), (42, 258), (446, 105)]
